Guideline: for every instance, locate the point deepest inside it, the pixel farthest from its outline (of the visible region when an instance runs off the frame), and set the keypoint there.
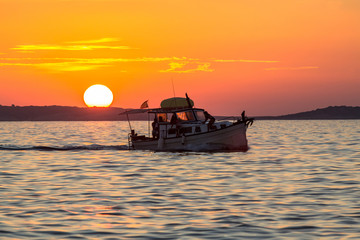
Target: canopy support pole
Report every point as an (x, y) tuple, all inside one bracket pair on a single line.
[(148, 124), (127, 116)]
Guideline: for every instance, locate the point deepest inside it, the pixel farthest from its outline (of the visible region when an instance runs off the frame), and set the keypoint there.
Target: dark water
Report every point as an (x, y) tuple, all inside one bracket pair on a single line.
[(77, 180)]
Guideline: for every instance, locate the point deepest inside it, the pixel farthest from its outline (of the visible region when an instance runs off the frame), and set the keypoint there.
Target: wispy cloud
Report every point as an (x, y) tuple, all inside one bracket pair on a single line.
[(99, 60), (78, 64), (204, 67), (244, 61), (141, 59), (60, 66), (84, 45), (69, 66), (176, 64), (188, 67), (101, 40), (292, 68), (66, 47)]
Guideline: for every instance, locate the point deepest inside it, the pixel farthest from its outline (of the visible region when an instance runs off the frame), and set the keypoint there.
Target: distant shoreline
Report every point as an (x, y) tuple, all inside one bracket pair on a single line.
[(64, 113)]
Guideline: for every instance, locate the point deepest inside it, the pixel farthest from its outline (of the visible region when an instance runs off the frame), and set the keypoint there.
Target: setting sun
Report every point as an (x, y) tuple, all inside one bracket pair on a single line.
[(98, 96)]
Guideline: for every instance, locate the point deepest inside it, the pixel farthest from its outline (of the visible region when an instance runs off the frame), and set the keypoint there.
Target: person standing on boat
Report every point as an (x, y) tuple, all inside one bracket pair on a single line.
[(173, 119), (155, 126), (210, 118)]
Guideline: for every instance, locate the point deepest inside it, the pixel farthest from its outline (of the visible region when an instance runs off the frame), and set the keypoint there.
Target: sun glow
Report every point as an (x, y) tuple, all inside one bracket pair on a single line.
[(98, 96)]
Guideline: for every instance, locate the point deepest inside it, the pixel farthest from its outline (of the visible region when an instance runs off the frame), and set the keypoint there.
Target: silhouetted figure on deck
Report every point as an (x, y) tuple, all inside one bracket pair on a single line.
[(155, 126), (210, 118), (243, 117), (173, 119), (246, 120)]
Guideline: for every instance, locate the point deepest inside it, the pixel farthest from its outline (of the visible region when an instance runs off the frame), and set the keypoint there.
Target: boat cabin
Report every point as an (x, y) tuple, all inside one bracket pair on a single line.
[(177, 118), (179, 122)]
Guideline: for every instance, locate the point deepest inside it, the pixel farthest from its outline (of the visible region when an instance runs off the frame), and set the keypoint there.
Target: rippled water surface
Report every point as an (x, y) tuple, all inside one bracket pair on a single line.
[(77, 180)]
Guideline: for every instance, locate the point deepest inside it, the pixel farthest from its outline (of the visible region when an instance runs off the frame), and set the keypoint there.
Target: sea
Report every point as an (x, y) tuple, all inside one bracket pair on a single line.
[(78, 180)]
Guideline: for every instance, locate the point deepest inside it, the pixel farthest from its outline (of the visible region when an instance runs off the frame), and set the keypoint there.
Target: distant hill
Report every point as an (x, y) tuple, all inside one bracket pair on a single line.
[(61, 113), (333, 112)]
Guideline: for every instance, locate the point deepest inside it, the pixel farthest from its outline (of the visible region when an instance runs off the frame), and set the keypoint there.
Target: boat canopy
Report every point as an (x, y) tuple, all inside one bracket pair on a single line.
[(177, 102), (135, 111), (159, 110)]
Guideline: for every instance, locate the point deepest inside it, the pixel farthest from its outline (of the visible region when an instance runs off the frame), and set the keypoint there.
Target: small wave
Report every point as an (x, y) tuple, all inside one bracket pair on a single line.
[(62, 148)]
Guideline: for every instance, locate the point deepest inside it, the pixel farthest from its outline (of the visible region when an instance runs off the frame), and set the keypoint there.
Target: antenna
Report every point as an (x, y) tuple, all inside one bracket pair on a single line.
[(172, 81)]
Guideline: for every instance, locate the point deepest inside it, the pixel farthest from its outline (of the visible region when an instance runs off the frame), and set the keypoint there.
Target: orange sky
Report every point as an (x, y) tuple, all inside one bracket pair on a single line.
[(269, 57)]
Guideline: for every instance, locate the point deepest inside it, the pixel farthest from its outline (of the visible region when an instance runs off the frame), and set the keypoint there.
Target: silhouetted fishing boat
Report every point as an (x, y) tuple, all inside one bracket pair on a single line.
[(178, 126)]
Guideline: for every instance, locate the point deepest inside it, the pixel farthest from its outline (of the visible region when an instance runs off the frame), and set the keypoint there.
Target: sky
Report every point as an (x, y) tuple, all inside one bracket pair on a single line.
[(268, 57)]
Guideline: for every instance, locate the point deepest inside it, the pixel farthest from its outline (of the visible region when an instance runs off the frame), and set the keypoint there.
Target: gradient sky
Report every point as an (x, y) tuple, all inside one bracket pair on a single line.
[(269, 57)]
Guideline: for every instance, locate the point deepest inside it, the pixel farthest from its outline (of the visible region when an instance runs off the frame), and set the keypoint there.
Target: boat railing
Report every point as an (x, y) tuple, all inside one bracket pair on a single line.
[(232, 118)]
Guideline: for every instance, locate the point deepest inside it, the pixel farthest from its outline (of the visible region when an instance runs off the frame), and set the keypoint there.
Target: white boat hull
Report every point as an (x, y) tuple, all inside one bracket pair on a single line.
[(231, 138)]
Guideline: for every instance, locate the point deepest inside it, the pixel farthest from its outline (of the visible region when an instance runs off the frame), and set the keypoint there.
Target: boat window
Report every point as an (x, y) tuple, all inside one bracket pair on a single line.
[(190, 116), (162, 117), (169, 116), (182, 116), (200, 115), (185, 116)]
